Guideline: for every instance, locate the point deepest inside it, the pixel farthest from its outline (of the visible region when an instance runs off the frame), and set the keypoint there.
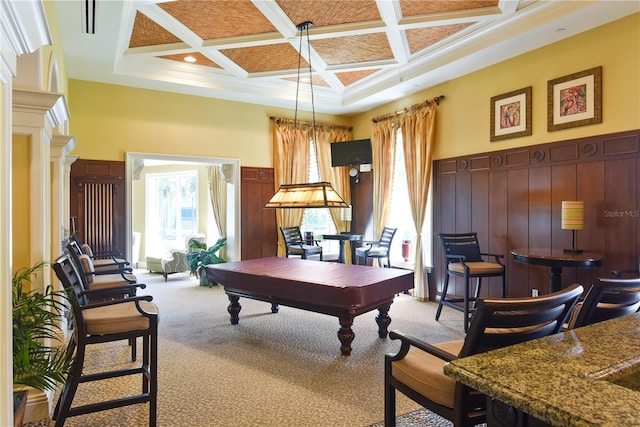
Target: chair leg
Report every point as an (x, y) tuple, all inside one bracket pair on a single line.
[(443, 295), (153, 373), (389, 405), (466, 303), (132, 343), (69, 391), (477, 293)]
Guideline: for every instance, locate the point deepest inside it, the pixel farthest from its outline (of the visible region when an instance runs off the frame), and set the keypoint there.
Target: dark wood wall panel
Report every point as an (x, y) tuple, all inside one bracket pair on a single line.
[(513, 199), (259, 236), (517, 230), (618, 215)]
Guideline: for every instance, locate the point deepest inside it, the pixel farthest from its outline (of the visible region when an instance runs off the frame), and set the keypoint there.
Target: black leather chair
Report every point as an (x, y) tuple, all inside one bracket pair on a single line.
[(463, 259), (106, 321), (380, 249), (416, 370), (607, 299), (295, 244)]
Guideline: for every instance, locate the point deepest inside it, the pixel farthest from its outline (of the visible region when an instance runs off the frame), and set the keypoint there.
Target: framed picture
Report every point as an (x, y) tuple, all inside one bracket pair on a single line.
[(511, 114), (575, 100)]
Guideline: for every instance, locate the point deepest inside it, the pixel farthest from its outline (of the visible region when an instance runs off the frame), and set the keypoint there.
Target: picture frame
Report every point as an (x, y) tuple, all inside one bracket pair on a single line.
[(575, 100), (511, 114)]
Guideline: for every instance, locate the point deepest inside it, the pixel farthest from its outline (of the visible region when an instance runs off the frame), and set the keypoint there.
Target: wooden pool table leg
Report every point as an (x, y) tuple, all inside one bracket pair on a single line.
[(383, 320), (234, 308), (346, 334)]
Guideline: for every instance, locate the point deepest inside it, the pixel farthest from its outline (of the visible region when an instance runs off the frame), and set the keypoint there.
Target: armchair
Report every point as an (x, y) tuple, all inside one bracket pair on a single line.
[(174, 263), (379, 249), (294, 244), (417, 369)]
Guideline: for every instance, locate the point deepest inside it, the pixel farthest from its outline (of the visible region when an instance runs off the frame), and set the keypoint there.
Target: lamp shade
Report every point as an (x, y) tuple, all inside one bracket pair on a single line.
[(345, 215), (572, 215), (312, 195)]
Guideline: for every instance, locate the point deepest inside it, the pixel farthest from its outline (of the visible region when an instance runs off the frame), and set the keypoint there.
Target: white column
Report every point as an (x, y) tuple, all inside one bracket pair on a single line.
[(35, 114), (61, 145), (23, 29)]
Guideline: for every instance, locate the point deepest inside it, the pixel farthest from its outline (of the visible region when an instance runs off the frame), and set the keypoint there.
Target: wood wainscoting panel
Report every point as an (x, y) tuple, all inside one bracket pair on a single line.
[(516, 202)]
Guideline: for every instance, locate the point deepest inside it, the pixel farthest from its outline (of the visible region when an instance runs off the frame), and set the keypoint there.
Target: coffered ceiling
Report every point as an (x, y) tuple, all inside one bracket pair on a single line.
[(363, 52)]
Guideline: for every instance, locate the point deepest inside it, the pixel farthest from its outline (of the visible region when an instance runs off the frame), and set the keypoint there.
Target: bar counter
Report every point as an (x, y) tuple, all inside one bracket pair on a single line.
[(589, 376)]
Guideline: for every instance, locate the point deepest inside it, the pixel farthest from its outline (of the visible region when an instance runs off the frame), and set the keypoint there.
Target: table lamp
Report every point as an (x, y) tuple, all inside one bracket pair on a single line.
[(573, 219)]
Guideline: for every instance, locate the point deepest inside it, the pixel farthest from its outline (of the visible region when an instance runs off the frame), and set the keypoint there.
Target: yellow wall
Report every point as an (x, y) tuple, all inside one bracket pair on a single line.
[(20, 188), (109, 120), (463, 116)]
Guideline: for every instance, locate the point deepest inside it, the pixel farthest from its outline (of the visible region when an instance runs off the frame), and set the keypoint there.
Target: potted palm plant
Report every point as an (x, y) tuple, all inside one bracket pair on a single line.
[(200, 256), (37, 361)]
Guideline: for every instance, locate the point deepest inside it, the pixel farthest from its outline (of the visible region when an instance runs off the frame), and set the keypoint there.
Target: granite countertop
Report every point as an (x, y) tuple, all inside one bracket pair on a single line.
[(588, 376)]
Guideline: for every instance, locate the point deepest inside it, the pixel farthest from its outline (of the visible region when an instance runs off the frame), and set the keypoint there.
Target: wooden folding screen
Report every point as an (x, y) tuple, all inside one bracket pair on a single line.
[(98, 201)]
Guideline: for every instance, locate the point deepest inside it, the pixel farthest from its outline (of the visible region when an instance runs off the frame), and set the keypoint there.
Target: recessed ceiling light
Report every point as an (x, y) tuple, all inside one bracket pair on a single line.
[(190, 58), (560, 30)]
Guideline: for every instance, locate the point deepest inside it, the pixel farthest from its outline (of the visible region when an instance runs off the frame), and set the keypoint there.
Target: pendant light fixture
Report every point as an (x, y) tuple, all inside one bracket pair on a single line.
[(307, 195)]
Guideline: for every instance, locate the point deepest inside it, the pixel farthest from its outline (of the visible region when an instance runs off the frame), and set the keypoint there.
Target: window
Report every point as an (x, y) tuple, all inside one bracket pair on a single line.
[(400, 211), (318, 220), (171, 210)]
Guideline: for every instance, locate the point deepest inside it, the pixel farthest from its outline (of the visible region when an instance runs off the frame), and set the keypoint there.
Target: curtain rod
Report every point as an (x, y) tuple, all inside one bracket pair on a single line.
[(309, 123), (414, 107)]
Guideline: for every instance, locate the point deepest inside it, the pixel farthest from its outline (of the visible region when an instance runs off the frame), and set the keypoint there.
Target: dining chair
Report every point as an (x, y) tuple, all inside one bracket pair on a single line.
[(607, 299), (463, 259), (101, 266), (295, 245), (416, 370), (106, 321), (107, 257), (379, 249), (630, 273), (93, 280)]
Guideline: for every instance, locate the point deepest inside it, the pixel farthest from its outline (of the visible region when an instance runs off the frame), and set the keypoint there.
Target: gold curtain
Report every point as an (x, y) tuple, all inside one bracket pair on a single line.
[(218, 196), (338, 176), (418, 135), (383, 150), (290, 166)]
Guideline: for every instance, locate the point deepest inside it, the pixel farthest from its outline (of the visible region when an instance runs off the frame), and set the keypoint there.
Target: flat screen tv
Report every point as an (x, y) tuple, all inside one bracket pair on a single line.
[(347, 153)]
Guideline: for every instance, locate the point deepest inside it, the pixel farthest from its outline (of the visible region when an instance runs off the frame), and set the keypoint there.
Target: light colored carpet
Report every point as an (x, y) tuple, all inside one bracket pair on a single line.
[(281, 369)]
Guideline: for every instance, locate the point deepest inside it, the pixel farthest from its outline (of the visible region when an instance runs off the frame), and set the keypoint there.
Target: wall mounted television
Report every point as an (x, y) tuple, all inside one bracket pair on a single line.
[(348, 153)]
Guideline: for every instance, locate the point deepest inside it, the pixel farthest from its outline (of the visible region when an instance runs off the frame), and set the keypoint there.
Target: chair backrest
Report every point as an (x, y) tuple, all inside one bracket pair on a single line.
[(608, 299), (506, 321), (82, 261), (200, 238), (387, 237), (291, 236), (68, 275), (461, 244)]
